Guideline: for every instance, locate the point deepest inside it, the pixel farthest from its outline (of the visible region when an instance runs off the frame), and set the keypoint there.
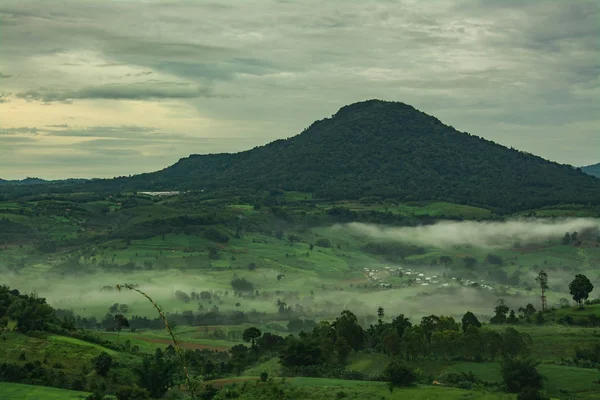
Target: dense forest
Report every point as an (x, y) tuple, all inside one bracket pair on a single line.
[(375, 148)]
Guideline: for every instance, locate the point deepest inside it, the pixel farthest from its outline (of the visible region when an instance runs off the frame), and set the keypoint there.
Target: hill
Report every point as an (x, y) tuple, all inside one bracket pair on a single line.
[(37, 181), (383, 149), (26, 181), (592, 170)]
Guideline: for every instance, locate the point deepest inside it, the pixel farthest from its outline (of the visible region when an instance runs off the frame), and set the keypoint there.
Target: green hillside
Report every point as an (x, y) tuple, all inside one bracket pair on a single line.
[(17, 391)]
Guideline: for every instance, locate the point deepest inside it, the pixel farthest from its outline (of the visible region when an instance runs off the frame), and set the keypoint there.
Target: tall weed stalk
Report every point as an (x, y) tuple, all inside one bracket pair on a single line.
[(192, 386)]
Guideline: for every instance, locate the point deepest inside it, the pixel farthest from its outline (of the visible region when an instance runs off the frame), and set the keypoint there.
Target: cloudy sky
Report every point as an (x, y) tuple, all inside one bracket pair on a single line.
[(104, 88)]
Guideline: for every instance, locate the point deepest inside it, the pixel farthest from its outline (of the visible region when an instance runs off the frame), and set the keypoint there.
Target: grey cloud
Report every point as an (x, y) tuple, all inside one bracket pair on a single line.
[(3, 75), (19, 130), (514, 72), (12, 140), (58, 126), (145, 91), (104, 131)]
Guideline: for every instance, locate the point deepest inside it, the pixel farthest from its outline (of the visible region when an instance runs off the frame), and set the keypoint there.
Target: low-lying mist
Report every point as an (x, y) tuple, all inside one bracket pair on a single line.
[(86, 297), (477, 234)]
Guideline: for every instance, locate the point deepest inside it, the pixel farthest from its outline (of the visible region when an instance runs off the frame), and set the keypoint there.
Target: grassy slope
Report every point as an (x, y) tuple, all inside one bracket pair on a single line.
[(71, 354), (16, 391), (577, 380), (327, 389)]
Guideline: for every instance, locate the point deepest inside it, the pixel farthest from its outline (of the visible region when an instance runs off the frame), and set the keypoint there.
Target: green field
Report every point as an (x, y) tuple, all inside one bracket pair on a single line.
[(325, 389), (16, 391)]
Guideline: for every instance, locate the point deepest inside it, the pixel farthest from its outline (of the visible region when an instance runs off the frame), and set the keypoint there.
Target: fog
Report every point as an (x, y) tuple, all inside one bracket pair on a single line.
[(478, 234), (84, 295)]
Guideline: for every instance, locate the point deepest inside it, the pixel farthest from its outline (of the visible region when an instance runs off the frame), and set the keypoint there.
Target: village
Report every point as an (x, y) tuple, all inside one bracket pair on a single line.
[(381, 276)]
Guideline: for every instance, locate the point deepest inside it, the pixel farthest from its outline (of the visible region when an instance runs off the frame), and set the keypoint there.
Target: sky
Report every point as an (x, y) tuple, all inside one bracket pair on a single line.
[(110, 88)]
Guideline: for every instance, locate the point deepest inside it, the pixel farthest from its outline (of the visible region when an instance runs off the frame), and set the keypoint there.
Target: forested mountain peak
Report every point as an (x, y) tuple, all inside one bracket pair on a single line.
[(385, 149), (389, 149)]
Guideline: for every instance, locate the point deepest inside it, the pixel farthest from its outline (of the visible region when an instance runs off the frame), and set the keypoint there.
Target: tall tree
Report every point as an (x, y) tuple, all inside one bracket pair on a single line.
[(346, 326), (469, 319), (542, 280), (500, 312), (251, 334), (580, 288), (120, 323), (380, 314)]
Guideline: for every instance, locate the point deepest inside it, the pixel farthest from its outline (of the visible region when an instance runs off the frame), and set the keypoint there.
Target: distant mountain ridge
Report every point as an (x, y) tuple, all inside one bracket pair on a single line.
[(38, 181), (383, 149), (592, 170)]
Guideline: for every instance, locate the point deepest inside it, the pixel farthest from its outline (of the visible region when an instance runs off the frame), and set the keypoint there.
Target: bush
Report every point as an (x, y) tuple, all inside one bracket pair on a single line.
[(132, 393), (460, 380), (521, 374), (399, 374), (216, 236), (102, 363), (242, 285), (323, 243)]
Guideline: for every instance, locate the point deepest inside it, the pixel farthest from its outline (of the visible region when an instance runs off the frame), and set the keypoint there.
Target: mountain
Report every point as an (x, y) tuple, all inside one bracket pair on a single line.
[(26, 181), (385, 149), (592, 170), (38, 181)]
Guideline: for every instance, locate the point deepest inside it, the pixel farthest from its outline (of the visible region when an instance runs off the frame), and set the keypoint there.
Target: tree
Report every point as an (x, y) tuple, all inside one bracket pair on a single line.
[(474, 343), (132, 393), (213, 253), (493, 343), (342, 349), (251, 334), (347, 326), (446, 260), (429, 324), (567, 239), (580, 288), (500, 312), (380, 314), (470, 262), (251, 266), (392, 342), (102, 363), (528, 311), (120, 323), (156, 374), (469, 319), (3, 325), (264, 376), (519, 374), (542, 280), (399, 374), (515, 344), (512, 318)]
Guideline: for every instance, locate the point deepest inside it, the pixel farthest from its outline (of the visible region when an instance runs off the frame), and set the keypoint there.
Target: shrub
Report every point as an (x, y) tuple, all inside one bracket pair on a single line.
[(399, 374), (102, 363), (323, 242)]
